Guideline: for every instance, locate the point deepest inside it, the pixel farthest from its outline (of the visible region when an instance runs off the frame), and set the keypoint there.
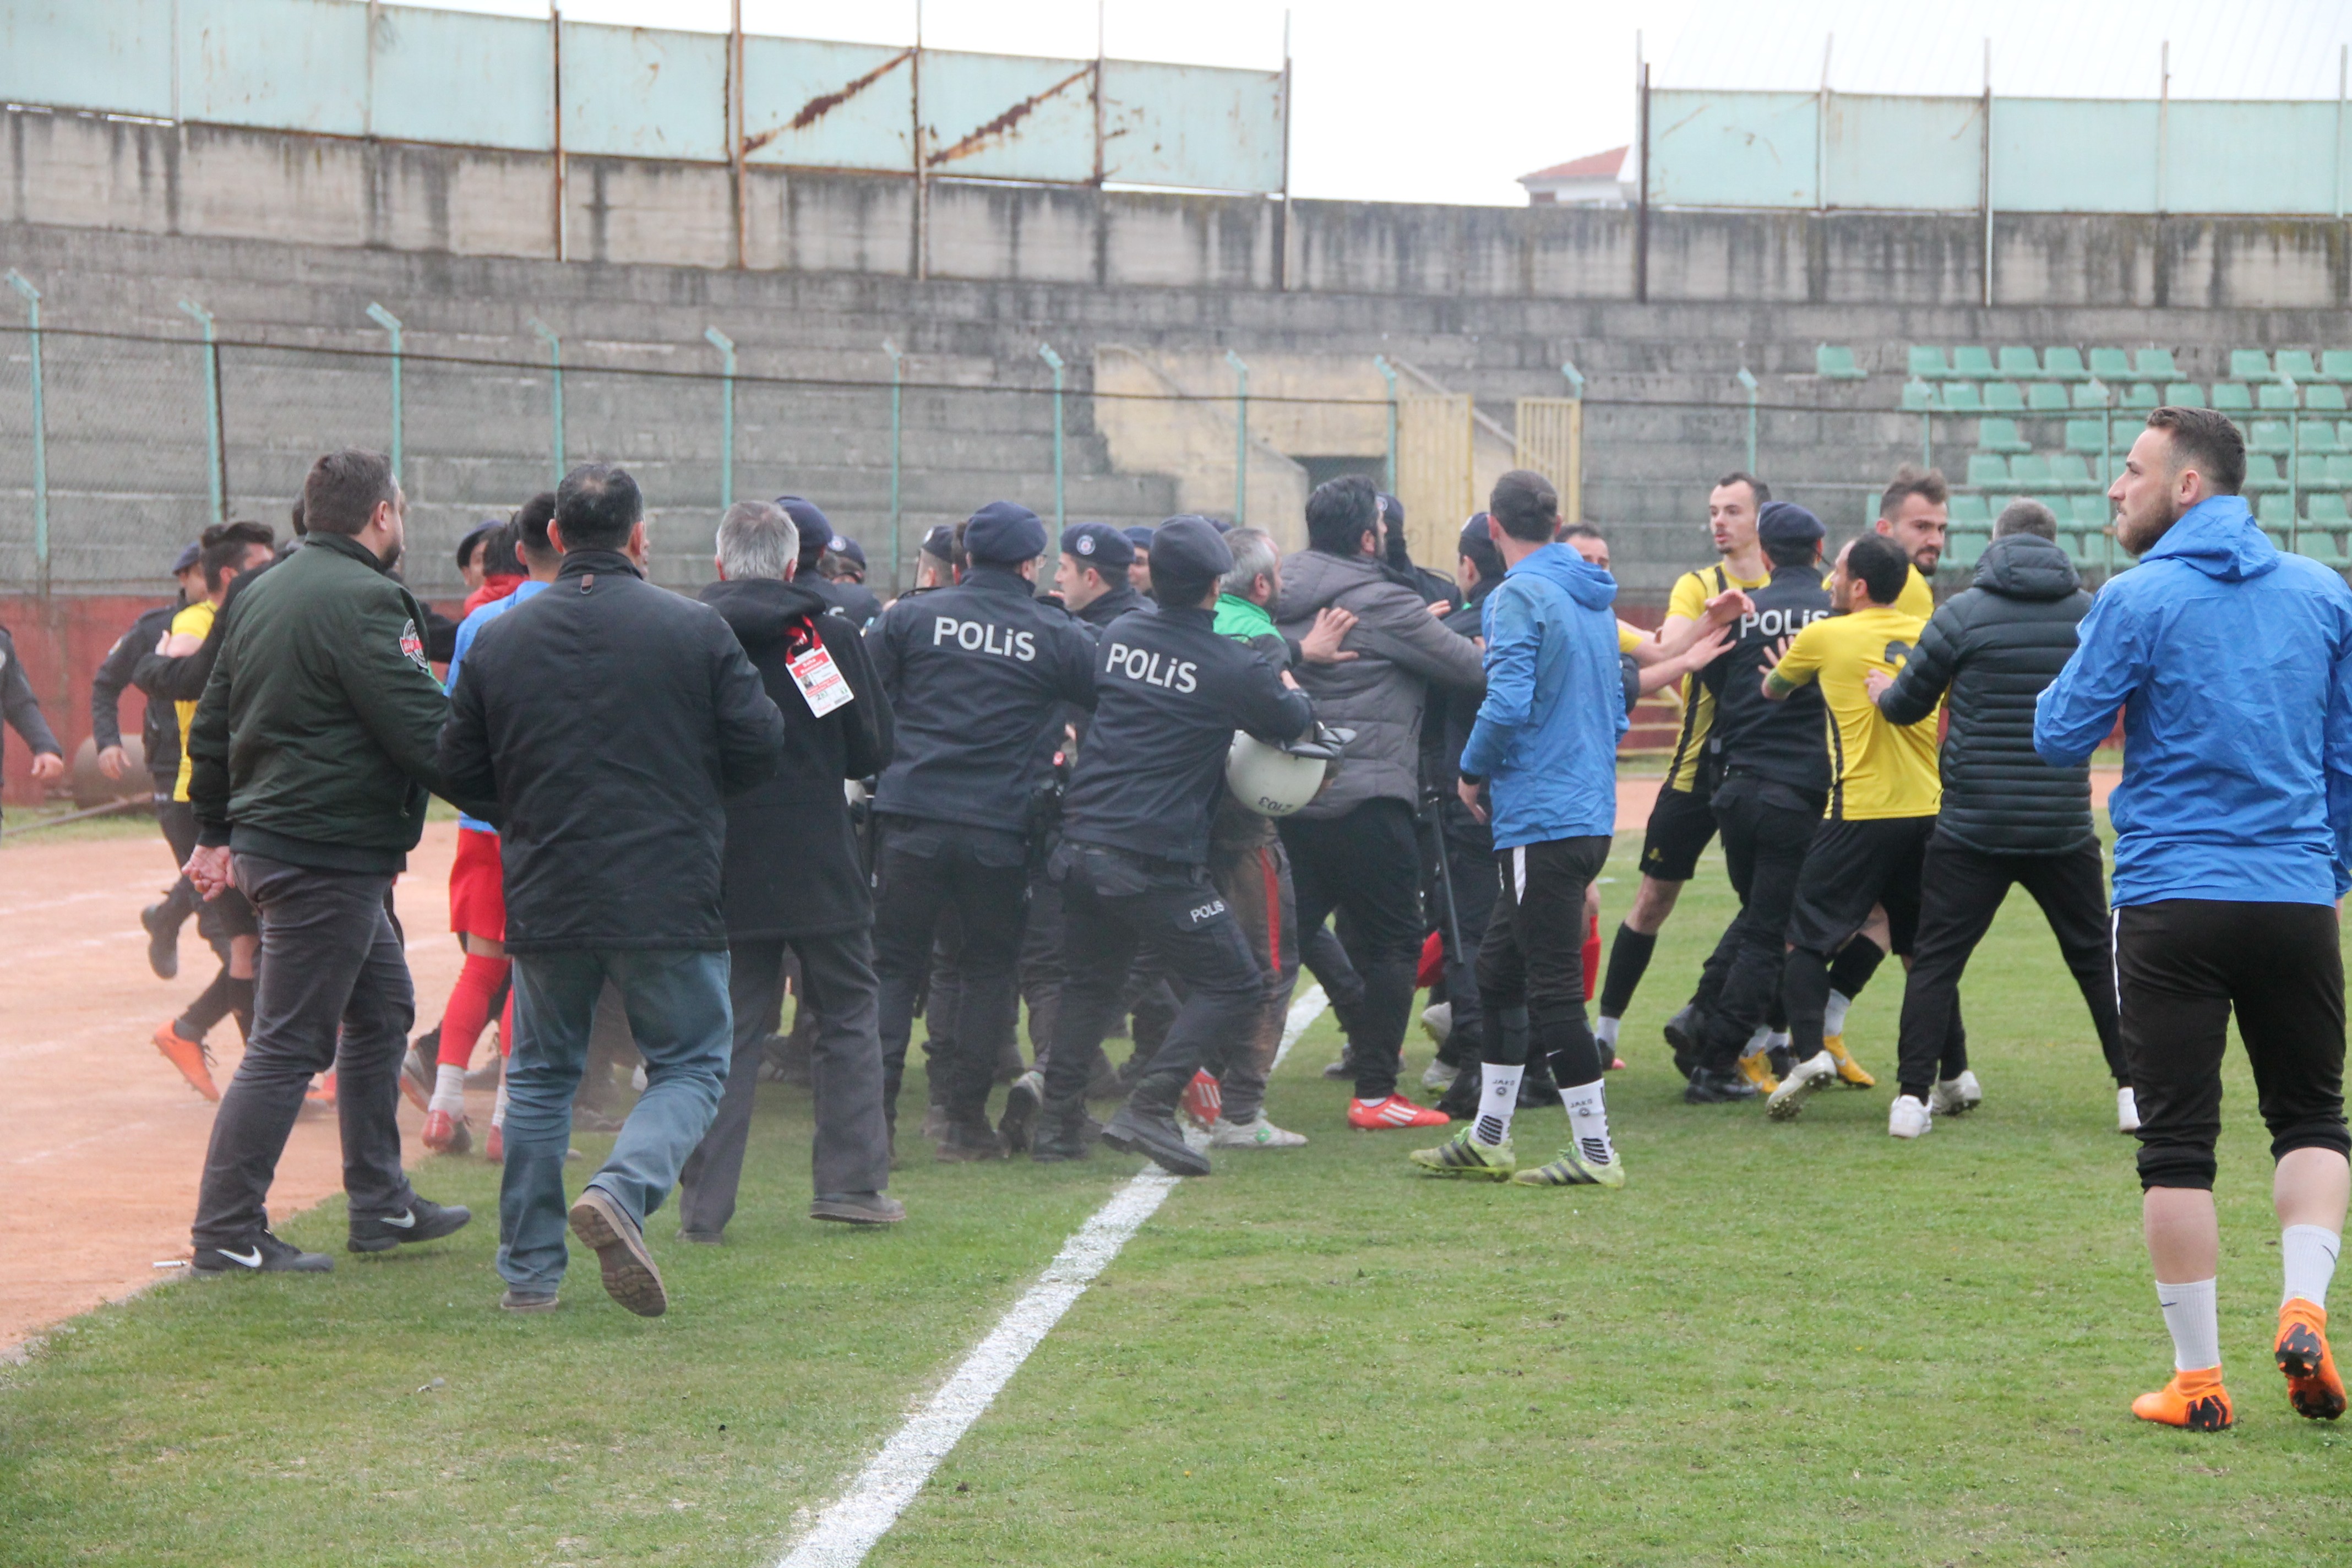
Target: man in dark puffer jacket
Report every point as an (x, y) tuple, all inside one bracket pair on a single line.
[(2008, 817)]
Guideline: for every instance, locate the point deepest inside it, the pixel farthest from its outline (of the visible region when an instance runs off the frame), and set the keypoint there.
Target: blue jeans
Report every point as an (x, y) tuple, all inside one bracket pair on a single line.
[(679, 1011)]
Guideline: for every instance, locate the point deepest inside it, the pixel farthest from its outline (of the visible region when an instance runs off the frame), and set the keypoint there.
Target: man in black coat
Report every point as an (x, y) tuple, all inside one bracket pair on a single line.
[(610, 719), (159, 738), (2008, 817), (792, 880)]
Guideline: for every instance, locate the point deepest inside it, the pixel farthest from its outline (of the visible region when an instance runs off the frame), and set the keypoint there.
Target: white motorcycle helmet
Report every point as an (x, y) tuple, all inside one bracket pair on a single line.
[(1275, 780)]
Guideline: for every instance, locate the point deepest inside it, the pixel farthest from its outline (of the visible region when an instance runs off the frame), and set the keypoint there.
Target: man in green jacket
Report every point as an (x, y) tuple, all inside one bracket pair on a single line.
[(313, 752)]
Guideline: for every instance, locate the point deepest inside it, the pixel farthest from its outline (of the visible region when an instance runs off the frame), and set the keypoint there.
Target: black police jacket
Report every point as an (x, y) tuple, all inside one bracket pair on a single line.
[(1993, 649), (159, 726), (610, 719), (792, 862), (1785, 742), (1169, 694), (974, 674)]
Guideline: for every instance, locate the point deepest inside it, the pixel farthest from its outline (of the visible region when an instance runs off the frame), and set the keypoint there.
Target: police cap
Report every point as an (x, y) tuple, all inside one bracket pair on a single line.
[(187, 558), (1099, 545), (816, 532), (1004, 534), (1141, 537), (940, 541), (1786, 523), (1188, 550)]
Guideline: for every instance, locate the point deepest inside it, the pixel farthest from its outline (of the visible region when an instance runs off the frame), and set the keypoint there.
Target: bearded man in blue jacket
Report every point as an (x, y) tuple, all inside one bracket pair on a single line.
[(2232, 665), (1545, 748)]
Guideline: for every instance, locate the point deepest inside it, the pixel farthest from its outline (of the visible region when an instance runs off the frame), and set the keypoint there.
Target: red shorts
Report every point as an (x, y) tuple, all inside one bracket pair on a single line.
[(477, 887)]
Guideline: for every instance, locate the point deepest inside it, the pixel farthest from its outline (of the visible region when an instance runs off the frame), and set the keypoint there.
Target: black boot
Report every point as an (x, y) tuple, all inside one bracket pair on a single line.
[(1063, 1132), (1711, 1086), (968, 1138), (1685, 1031), (1139, 1129)]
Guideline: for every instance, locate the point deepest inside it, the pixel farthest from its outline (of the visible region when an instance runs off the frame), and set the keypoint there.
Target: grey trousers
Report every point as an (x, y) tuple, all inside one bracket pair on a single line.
[(333, 991), (852, 1152)]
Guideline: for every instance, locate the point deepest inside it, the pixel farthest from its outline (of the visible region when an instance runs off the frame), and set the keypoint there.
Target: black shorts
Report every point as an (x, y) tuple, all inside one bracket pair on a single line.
[(1852, 866), (1681, 824), (2180, 966), (230, 914)]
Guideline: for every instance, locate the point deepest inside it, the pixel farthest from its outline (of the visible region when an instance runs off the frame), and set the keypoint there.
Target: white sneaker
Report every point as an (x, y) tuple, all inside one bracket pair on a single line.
[(1437, 1022), (1255, 1133), (1906, 1118), (2126, 1111), (1437, 1077), (1956, 1096), (1805, 1079)]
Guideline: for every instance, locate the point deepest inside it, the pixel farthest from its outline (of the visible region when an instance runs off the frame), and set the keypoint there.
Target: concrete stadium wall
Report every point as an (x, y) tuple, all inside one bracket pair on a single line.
[(85, 170)]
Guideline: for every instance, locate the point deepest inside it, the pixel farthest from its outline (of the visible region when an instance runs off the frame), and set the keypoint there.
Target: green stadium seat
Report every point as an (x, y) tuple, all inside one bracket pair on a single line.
[(2046, 397), (2184, 394), (2029, 468), (2344, 433), (2233, 397), (2278, 537), (1973, 364), (2069, 470), (2086, 435), (2317, 436), (2334, 470), (2141, 396), (2064, 363), (2088, 549), (2000, 435), (2019, 364), (2325, 548), (1918, 397), (2092, 511), (1960, 397), (2295, 365), (2003, 397), (2275, 510), (1988, 471), (2335, 364), (2263, 472), (1927, 363), (1833, 363), (2324, 398), (2271, 397), (2111, 365), (2325, 509), (1964, 547), (2093, 395), (2060, 507), (2250, 364), (2155, 365), (1970, 512), (2270, 436)]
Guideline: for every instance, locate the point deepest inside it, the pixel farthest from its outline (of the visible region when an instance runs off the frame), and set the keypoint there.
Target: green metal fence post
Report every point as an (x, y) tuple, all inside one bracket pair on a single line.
[(2293, 465), (1749, 382), (20, 283), (1241, 438), (897, 386), (390, 323), (1046, 351), (1388, 372), (2107, 459), (555, 409), (219, 475), (726, 347)]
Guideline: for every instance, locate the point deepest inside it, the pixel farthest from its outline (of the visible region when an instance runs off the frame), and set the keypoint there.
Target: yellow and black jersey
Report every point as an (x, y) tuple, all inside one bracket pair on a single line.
[(194, 621), (1918, 598), (1878, 768), (1691, 591)]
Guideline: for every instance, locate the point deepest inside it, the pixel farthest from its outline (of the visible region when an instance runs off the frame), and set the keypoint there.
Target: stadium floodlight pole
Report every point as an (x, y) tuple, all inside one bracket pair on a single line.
[(1749, 382), (1046, 351), (1388, 372), (1241, 438), (546, 334), (218, 477), (726, 347), (390, 323), (897, 386), (23, 286)]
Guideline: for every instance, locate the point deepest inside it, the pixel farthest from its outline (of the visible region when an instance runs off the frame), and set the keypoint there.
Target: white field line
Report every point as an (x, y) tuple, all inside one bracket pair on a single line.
[(847, 1529)]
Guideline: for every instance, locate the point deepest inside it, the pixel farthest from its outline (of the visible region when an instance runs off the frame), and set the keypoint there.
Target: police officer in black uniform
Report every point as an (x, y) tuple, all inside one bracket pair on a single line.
[(1772, 761), (974, 674), (1170, 693), (817, 536)]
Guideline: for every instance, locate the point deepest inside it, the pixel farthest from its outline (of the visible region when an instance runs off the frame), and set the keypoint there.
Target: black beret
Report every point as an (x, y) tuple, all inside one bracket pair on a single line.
[(1140, 536), (1786, 523), (816, 531), (1188, 549), (940, 541), (1099, 545), (1004, 533)]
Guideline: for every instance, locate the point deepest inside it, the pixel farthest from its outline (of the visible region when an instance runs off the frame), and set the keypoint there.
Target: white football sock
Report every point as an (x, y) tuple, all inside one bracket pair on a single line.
[(1605, 1031), (449, 1091), (1833, 1020), (2308, 1253), (1777, 1040), (1588, 1123), (499, 1111), (1498, 1096), (2195, 1321), (1758, 1042)]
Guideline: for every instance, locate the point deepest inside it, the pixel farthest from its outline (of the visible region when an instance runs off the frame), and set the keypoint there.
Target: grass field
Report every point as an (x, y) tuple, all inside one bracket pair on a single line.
[(1791, 1344)]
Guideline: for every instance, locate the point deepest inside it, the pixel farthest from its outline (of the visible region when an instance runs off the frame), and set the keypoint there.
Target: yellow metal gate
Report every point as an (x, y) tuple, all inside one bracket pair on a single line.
[(1434, 474), (1551, 442)]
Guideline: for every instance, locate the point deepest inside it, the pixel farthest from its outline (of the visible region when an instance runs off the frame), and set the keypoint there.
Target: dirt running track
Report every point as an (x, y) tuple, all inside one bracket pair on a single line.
[(102, 1142)]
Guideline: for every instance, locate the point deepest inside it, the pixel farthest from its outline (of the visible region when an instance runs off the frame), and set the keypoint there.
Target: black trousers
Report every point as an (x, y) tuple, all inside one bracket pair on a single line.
[(927, 869), (1117, 904), (177, 818), (1533, 956), (1960, 891), (333, 991), (1849, 866), (1766, 827), (1365, 865), (1466, 870), (2180, 966), (852, 1150), (1042, 975)]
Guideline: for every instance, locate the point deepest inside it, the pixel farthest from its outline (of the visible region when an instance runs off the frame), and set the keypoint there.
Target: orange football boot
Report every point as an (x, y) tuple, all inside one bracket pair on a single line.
[(2311, 1386), (1396, 1111), (190, 1056), (2194, 1400)]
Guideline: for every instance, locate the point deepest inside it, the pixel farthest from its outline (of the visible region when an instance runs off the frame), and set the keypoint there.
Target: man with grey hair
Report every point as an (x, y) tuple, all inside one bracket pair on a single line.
[(2008, 817), (793, 881)]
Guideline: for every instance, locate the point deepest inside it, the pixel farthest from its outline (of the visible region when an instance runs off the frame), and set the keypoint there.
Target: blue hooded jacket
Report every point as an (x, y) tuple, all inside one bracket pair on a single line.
[(2232, 663), (1546, 737)]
